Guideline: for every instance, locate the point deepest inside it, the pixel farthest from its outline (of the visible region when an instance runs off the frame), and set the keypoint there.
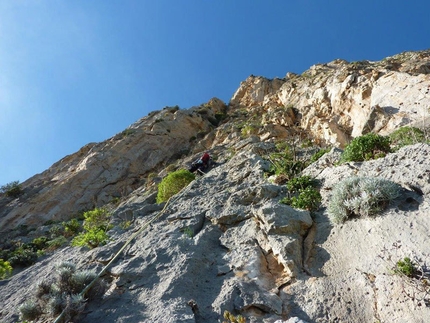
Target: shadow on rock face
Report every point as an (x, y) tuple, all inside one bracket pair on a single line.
[(409, 201), (317, 256)]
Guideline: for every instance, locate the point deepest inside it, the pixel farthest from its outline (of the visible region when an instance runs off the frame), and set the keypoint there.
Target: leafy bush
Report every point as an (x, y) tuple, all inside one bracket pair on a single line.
[(406, 136), (12, 189), (40, 243), (96, 224), (307, 199), (302, 182), (306, 196), (360, 196), (5, 269), (23, 256), (366, 147), (71, 227), (97, 218), (92, 238), (173, 184)]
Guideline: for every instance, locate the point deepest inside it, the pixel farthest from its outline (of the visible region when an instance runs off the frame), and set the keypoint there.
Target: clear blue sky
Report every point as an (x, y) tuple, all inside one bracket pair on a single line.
[(80, 71)]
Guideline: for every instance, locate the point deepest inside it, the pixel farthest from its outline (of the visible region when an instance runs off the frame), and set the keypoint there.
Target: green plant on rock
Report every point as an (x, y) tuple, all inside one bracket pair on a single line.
[(173, 183), (405, 267), (406, 136), (305, 195), (188, 232), (72, 227), (250, 129), (307, 199), (285, 163), (369, 146), (319, 154), (12, 189), (96, 225), (5, 269), (230, 318), (23, 256), (40, 243), (302, 182), (360, 196), (127, 132)]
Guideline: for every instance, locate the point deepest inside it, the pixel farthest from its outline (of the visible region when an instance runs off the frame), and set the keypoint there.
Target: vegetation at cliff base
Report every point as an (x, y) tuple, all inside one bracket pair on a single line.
[(173, 183)]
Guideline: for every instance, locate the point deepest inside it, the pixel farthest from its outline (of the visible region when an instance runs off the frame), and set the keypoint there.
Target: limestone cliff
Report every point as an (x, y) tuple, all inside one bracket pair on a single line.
[(226, 242)]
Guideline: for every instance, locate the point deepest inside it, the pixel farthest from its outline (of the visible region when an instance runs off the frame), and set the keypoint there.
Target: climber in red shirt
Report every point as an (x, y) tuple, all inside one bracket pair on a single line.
[(201, 164)]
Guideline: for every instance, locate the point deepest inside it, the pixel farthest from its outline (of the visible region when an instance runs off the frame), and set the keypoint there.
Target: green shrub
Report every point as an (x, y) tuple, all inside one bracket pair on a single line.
[(56, 230), (306, 196), (40, 243), (96, 224), (302, 182), (97, 218), (366, 147), (188, 232), (5, 269), (360, 196), (173, 184), (405, 267), (319, 154), (406, 136), (71, 227), (12, 189), (23, 256), (91, 238)]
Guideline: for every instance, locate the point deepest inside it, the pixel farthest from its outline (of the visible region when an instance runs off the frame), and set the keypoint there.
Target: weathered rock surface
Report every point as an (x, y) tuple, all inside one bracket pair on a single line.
[(99, 172), (340, 100), (226, 242)]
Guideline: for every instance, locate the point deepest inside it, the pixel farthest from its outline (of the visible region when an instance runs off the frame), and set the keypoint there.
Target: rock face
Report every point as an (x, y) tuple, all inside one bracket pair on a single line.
[(340, 100), (97, 173), (225, 242)]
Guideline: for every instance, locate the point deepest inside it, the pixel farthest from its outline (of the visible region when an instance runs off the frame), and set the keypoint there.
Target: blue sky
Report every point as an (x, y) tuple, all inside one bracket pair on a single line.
[(75, 72)]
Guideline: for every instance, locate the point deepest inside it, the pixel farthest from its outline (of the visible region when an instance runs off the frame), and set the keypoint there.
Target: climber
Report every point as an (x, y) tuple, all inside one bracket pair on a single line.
[(201, 164)]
